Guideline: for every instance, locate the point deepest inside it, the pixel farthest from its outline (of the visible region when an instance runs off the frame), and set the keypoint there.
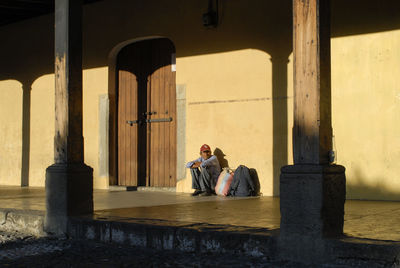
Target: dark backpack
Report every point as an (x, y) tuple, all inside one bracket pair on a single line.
[(242, 183)]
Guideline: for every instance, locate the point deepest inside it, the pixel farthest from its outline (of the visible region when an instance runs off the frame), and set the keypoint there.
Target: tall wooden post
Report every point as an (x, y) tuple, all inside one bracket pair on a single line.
[(312, 191), (312, 131), (69, 182), (68, 140)]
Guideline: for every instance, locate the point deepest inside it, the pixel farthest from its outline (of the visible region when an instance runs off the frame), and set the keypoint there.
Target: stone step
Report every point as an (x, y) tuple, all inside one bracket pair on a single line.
[(168, 235), (203, 238), (24, 221)]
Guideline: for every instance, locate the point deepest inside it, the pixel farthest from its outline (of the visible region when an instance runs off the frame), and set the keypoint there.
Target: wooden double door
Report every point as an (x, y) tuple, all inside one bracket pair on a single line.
[(147, 114)]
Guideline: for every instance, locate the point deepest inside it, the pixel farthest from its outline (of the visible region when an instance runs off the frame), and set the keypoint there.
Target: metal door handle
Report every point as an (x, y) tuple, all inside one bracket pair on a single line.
[(133, 122), (159, 120), (139, 122)]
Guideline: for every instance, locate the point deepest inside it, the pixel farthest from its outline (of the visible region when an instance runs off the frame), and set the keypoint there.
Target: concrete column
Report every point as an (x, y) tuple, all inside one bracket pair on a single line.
[(26, 133), (280, 117), (312, 191), (69, 182)]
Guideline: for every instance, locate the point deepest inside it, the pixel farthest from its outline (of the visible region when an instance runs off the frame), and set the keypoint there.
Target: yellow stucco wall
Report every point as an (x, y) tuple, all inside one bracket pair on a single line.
[(229, 106), (42, 124), (95, 83), (366, 109), (42, 129), (228, 74), (10, 132)]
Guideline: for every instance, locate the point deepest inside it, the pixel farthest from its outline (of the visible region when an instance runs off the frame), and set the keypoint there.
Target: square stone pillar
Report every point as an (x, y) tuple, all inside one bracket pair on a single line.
[(312, 201), (312, 191), (69, 182)]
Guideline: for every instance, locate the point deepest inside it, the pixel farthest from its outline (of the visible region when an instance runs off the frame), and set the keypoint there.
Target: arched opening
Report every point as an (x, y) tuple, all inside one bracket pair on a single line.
[(144, 125)]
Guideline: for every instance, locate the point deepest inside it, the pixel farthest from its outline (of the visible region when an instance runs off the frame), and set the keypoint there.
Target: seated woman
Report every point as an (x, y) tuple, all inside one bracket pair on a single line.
[(204, 180)]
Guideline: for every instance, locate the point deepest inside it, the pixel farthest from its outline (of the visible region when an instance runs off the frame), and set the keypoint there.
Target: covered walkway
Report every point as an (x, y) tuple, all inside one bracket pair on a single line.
[(363, 219)]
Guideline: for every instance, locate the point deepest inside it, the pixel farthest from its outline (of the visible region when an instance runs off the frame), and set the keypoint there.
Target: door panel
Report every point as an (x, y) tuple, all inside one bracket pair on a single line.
[(163, 134), (127, 135), (147, 150)]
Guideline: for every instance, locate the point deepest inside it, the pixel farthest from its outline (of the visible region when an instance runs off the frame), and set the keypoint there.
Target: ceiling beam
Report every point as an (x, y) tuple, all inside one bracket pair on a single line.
[(16, 10)]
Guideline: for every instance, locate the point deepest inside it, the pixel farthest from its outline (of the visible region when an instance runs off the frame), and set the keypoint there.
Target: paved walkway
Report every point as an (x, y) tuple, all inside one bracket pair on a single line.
[(363, 219)]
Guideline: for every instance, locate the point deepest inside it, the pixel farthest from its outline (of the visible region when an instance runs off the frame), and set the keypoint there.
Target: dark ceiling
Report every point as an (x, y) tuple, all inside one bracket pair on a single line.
[(17, 10)]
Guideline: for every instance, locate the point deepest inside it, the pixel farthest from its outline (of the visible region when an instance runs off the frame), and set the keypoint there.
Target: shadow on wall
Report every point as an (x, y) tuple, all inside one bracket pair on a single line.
[(348, 18), (358, 188), (221, 158)]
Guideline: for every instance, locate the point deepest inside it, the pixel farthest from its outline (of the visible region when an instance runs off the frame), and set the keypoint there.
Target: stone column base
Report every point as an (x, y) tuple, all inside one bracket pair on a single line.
[(69, 192), (312, 208)]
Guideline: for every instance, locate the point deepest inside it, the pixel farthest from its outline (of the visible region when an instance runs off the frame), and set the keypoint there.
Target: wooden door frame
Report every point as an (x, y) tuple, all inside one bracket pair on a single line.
[(113, 105)]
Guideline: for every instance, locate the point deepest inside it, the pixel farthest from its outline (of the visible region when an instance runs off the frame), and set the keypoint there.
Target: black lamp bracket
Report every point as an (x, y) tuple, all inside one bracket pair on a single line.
[(210, 19)]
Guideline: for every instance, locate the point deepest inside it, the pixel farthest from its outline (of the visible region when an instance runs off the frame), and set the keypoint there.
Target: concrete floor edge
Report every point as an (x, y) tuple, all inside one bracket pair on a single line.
[(200, 237), (220, 239), (169, 235)]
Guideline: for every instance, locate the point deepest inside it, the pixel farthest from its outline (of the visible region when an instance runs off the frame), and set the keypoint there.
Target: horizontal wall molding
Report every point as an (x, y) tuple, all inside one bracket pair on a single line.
[(239, 100)]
